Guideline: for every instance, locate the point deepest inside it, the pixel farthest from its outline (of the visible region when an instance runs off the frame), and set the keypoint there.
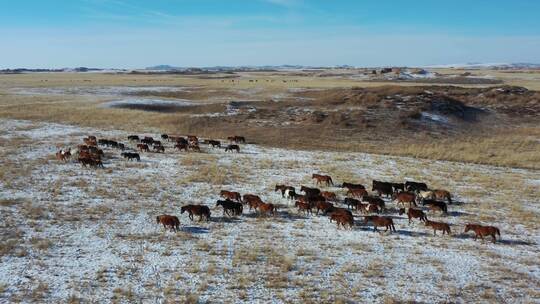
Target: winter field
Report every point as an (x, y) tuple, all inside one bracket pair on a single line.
[(74, 234)]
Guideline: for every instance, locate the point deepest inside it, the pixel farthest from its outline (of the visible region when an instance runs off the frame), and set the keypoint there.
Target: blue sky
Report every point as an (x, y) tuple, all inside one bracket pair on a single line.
[(139, 33)]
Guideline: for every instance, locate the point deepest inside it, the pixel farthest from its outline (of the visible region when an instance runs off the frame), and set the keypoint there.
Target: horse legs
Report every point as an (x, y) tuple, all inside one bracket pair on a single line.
[(493, 236), (435, 232)]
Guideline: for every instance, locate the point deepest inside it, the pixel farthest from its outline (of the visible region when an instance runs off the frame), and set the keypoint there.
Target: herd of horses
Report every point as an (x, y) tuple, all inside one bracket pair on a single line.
[(371, 206), (89, 153)]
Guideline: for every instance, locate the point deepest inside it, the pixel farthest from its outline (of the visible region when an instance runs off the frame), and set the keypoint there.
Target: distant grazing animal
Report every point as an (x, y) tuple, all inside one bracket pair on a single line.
[(200, 210), (159, 148), (352, 186), (374, 200), (380, 221), (310, 191), (414, 213), (237, 139), (143, 147), (283, 188), (404, 197), (351, 202), (357, 192), (329, 196), (131, 155), (382, 188), (133, 138), (323, 206), (230, 208), (326, 179), (267, 208), (443, 195), (164, 136), (290, 194), (303, 207), (481, 231), (252, 200), (342, 219), (439, 226), (192, 139), (169, 221), (194, 147), (147, 140), (181, 146), (234, 196), (435, 205), (63, 155), (214, 143), (232, 148), (415, 186)]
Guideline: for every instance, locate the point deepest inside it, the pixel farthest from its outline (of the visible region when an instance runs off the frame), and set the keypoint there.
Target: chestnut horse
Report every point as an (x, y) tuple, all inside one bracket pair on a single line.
[(438, 226), (414, 213), (199, 210), (481, 231), (329, 196), (265, 208), (323, 179), (303, 207), (170, 221), (380, 221), (252, 200), (233, 196), (342, 219), (357, 192), (404, 197)]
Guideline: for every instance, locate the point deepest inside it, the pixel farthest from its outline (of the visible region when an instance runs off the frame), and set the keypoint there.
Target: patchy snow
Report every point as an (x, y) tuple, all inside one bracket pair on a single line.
[(101, 224)]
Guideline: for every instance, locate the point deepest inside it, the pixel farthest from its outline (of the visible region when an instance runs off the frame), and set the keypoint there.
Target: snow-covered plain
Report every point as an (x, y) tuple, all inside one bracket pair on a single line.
[(73, 233)]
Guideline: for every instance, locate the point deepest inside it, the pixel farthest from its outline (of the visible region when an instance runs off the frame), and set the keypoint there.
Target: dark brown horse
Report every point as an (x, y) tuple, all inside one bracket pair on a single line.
[(200, 210), (435, 205), (169, 221), (326, 179), (143, 147), (232, 148), (414, 213), (444, 227), (352, 186), (181, 146), (329, 196), (310, 191), (382, 188), (325, 207), (481, 231), (230, 208), (380, 221)]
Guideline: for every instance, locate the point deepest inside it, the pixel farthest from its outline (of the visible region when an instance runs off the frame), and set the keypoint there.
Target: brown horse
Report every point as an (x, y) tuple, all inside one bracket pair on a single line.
[(170, 221), (237, 139), (233, 196), (342, 219), (200, 210), (63, 155), (438, 226), (326, 179), (435, 205), (380, 221), (323, 206), (143, 147), (352, 186), (404, 197), (266, 208), (194, 147), (443, 195), (310, 191), (481, 231), (329, 196), (357, 192), (303, 207), (414, 213), (181, 146), (252, 200)]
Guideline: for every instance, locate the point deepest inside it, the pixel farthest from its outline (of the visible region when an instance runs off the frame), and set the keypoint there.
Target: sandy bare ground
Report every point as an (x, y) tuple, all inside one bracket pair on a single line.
[(69, 233)]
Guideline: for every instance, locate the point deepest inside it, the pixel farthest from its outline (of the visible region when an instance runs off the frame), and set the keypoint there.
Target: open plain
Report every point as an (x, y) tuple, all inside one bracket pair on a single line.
[(80, 234)]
